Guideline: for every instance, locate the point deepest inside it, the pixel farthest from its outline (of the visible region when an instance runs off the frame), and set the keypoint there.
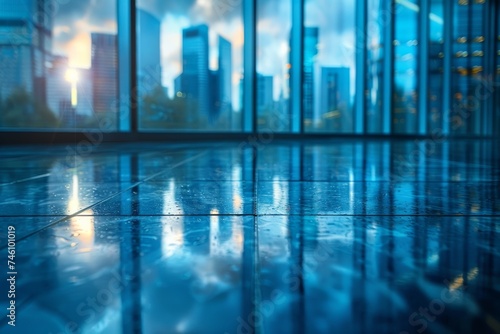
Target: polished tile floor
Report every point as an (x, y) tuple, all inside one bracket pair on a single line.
[(286, 237)]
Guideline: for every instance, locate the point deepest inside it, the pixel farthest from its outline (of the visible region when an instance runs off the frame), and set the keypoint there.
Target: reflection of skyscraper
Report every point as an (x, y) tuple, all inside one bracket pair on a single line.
[(25, 45), (264, 96), (104, 71), (225, 76), (468, 65), (310, 53), (436, 69), (148, 55), (195, 72), (214, 95), (335, 97)]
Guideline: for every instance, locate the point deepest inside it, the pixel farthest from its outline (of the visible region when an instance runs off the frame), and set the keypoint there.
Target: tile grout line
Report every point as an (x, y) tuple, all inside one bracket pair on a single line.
[(26, 179), (256, 286), (106, 199), (43, 176), (254, 215)]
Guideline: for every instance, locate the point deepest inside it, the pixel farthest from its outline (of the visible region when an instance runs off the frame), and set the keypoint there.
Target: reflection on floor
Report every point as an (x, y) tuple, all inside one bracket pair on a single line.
[(288, 237)]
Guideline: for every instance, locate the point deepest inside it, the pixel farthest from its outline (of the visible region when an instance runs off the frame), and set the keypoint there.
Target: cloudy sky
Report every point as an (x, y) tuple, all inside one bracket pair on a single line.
[(76, 19)]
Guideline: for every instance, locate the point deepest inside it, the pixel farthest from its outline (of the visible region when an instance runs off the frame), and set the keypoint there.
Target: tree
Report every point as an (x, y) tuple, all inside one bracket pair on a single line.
[(20, 110), (158, 111)]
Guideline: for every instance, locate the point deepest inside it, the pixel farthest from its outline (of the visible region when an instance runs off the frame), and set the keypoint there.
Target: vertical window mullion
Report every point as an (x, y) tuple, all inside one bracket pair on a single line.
[(249, 65), (124, 100), (388, 68), (134, 121), (297, 51), (423, 67), (490, 53), (448, 38), (361, 55)]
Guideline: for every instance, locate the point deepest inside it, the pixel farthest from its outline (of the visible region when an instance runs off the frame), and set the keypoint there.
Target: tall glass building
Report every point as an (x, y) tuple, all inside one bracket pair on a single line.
[(25, 46), (250, 166), (375, 67)]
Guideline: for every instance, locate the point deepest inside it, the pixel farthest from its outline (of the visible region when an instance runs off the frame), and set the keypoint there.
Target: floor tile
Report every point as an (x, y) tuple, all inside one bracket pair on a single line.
[(346, 236), (180, 273), (378, 198), (182, 198), (370, 274)]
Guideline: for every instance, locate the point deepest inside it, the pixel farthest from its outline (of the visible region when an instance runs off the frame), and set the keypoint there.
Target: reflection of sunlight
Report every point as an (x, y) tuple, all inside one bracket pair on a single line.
[(82, 226), (173, 234), (351, 190), (277, 191), (74, 200), (83, 229), (170, 205), (237, 200), (215, 246), (75, 187), (237, 235), (173, 227)]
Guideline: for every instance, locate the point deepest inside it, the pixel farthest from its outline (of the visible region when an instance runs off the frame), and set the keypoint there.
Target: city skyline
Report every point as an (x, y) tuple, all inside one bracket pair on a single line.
[(36, 47)]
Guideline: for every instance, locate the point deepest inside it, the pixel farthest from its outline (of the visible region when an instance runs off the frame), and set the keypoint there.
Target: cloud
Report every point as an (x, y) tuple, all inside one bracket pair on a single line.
[(197, 11), (77, 18), (160, 8)]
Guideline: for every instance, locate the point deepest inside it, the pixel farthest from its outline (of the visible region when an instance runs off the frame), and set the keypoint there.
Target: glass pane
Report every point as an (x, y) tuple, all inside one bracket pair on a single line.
[(436, 67), (329, 66), (467, 65), (273, 65), (496, 127), (190, 65), (476, 69), (376, 22), (59, 65), (404, 118)]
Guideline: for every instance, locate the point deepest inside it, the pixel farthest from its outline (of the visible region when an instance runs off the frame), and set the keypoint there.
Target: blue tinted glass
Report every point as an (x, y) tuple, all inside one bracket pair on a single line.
[(59, 68), (497, 80), (436, 67), (273, 65), (375, 44), (329, 66), (189, 65), (468, 67), (405, 108)]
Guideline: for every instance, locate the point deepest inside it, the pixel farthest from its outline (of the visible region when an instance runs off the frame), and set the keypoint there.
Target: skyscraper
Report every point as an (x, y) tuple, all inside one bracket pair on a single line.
[(25, 46), (104, 71), (195, 72), (310, 53), (225, 78), (214, 96), (468, 116), (335, 99), (148, 55), (265, 105)]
